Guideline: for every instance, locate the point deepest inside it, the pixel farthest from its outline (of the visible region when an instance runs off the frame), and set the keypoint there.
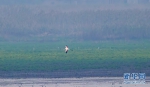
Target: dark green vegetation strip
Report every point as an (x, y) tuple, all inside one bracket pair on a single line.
[(48, 57)]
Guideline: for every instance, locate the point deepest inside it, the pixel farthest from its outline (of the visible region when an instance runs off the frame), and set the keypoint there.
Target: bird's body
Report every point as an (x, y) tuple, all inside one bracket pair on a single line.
[(66, 48)]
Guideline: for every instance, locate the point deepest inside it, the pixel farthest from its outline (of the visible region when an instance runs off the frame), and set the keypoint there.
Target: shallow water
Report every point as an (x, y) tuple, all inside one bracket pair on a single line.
[(70, 82)]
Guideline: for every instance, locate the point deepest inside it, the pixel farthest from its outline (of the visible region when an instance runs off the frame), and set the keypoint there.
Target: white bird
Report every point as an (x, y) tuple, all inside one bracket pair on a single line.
[(66, 48)]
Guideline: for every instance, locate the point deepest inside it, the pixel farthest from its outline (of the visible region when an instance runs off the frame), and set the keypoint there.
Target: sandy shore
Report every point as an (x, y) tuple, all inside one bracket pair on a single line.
[(70, 82)]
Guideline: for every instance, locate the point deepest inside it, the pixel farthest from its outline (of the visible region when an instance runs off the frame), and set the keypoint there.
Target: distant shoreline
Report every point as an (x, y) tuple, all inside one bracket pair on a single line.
[(68, 74)]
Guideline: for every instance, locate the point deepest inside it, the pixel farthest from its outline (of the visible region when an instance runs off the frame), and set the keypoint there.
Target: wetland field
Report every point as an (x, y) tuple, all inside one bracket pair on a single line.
[(84, 59)]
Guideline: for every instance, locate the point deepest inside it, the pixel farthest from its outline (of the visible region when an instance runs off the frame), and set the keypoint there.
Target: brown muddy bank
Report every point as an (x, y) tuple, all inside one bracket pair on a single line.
[(70, 82)]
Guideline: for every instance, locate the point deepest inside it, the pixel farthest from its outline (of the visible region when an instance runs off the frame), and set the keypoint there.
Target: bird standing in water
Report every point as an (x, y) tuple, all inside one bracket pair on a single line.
[(66, 48)]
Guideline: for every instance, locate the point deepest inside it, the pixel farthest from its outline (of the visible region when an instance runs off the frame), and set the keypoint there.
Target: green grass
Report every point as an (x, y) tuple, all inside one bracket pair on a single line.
[(43, 57)]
